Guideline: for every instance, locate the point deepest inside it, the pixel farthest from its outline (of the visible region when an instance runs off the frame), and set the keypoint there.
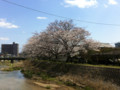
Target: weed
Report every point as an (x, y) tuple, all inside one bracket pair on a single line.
[(48, 87), (88, 88)]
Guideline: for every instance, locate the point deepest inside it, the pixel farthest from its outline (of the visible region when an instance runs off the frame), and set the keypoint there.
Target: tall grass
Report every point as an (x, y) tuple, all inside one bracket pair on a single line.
[(88, 83)]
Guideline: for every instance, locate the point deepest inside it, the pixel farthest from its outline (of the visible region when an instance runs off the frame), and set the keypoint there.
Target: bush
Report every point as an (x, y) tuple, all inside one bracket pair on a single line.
[(28, 74), (43, 75)]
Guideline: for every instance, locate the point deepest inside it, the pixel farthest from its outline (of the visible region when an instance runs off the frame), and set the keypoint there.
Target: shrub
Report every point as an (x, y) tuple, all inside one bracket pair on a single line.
[(28, 74)]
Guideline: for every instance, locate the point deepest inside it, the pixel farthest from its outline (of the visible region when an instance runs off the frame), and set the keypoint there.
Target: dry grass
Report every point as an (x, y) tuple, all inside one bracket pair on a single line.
[(12, 67), (77, 79), (85, 81)]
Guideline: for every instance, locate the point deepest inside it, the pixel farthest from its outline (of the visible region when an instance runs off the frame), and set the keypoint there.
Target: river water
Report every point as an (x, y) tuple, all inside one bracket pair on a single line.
[(15, 81)]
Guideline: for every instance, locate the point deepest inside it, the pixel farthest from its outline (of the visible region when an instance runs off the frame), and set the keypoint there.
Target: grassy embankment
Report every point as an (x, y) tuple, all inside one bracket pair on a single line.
[(62, 73), (7, 66), (104, 66), (52, 73)]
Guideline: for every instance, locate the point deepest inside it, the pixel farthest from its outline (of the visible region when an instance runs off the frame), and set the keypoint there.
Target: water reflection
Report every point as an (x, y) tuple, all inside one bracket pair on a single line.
[(15, 81)]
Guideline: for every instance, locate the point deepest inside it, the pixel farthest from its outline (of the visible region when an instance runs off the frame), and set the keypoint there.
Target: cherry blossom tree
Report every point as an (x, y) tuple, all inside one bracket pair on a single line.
[(69, 39), (60, 37)]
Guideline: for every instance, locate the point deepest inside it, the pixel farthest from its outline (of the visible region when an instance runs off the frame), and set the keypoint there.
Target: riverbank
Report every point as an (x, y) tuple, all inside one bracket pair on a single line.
[(76, 76), (7, 66), (35, 80), (41, 78), (64, 76)]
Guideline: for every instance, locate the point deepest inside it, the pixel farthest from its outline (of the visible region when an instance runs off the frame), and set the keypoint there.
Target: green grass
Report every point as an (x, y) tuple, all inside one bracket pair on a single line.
[(99, 65), (48, 87), (43, 75), (104, 66), (27, 73)]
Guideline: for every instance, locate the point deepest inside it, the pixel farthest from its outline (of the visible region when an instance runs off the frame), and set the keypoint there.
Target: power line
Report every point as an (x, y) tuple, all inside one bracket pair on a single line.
[(58, 15)]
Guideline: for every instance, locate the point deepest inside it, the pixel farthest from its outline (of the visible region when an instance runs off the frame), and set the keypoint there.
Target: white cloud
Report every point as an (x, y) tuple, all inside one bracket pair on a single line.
[(112, 2), (41, 17), (5, 24), (81, 3), (4, 39)]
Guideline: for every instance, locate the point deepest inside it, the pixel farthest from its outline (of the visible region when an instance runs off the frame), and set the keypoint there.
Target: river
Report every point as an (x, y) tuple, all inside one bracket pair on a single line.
[(16, 81)]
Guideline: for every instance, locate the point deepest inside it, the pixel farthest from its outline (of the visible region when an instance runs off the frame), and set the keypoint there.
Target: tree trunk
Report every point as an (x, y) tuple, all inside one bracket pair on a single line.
[(68, 57), (56, 56)]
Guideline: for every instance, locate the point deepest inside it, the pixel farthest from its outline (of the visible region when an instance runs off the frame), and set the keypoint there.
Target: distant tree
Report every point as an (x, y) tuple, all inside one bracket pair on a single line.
[(117, 45), (91, 47), (91, 44)]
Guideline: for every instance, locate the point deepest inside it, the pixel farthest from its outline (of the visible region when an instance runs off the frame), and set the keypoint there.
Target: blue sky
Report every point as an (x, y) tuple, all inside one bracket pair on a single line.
[(18, 24)]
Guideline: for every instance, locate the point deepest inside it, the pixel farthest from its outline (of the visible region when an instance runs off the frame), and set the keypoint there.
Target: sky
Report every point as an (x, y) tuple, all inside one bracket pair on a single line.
[(18, 24)]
